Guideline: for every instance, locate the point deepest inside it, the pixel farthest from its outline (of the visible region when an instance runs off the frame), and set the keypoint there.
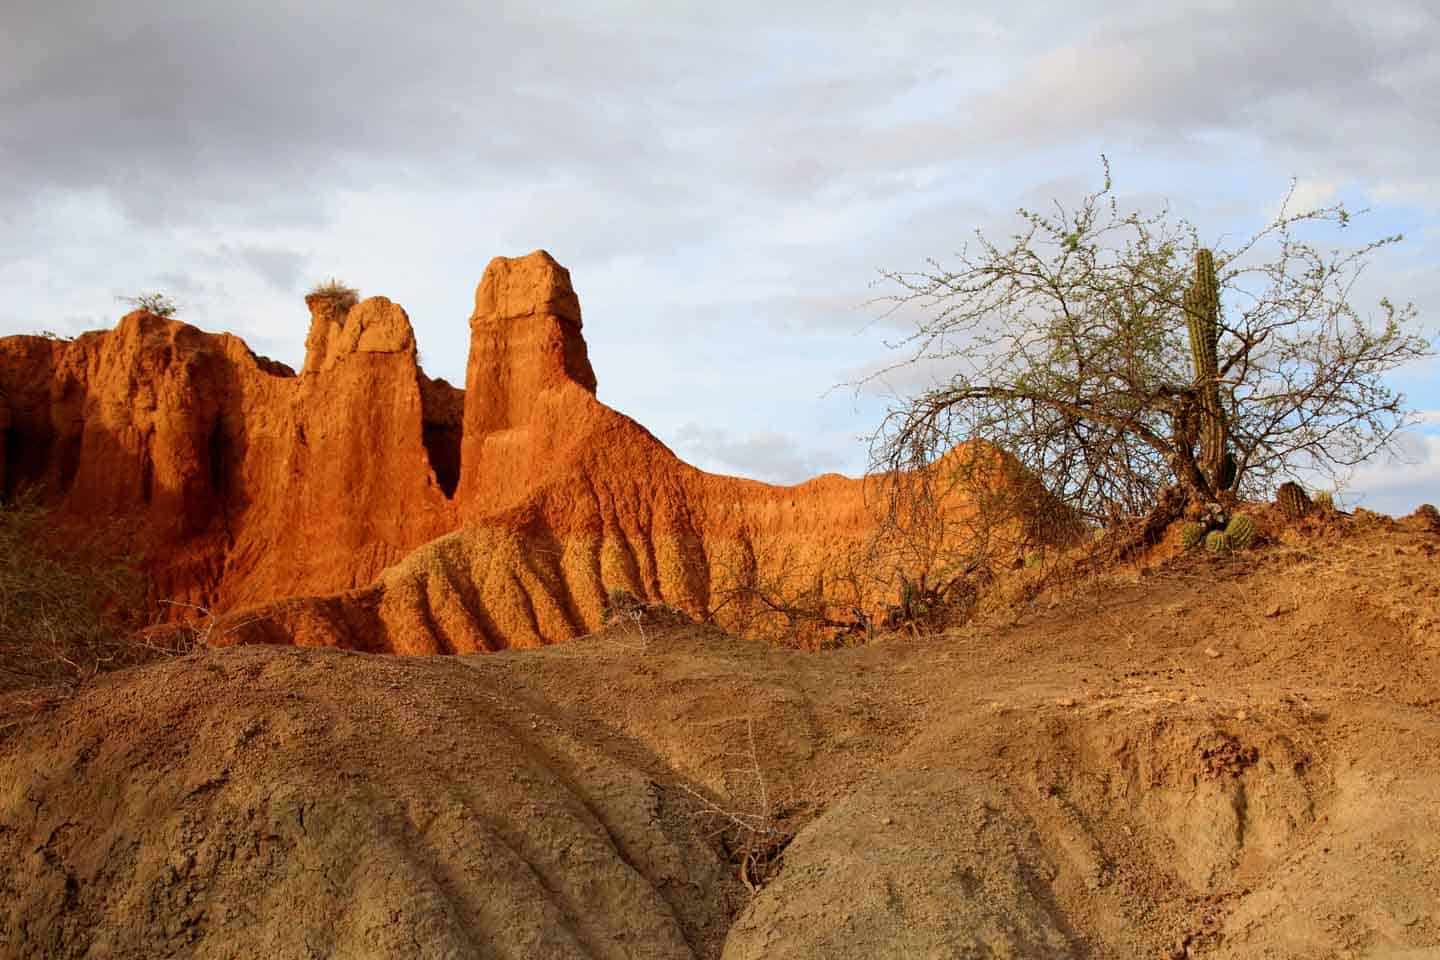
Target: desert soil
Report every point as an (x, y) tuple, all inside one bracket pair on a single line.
[(1210, 757)]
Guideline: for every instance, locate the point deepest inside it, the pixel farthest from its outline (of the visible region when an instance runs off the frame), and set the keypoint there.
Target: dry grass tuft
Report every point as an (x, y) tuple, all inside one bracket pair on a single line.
[(336, 292), (69, 599), (72, 606)]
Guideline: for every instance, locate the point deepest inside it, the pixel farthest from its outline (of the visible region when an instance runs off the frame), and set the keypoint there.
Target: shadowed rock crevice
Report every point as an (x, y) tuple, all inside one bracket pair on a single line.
[(21, 453), (442, 416), (67, 458)]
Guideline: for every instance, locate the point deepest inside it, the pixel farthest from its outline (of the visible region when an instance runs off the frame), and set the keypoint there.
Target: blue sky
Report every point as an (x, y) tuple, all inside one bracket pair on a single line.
[(723, 181)]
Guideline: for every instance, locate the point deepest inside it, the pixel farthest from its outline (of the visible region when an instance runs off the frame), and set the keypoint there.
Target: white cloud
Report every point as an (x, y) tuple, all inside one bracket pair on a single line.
[(1310, 193), (723, 180), (1398, 484), (762, 455)]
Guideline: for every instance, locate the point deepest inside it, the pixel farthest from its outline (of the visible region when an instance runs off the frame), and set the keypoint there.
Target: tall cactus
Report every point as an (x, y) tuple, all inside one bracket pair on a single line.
[(1202, 313)]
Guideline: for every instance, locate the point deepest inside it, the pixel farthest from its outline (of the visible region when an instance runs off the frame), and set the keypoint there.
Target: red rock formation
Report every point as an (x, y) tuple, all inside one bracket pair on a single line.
[(248, 483), (453, 520)]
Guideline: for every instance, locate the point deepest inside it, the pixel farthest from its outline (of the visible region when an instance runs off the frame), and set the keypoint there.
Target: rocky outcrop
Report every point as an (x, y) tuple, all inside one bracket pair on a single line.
[(243, 481), (426, 518)]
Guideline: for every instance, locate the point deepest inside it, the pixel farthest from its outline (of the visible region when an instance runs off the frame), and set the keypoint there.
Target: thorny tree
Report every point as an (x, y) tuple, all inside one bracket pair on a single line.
[(1134, 371)]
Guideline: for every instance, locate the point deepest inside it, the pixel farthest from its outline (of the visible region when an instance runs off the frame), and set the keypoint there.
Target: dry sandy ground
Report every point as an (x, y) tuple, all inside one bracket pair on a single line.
[(1218, 758)]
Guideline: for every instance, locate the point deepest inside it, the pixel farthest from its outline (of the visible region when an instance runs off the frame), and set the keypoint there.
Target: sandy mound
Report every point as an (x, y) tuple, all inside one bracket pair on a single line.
[(1221, 758), (265, 803)]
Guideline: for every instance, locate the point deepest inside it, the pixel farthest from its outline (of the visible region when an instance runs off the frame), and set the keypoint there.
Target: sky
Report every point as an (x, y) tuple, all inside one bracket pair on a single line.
[(724, 181)]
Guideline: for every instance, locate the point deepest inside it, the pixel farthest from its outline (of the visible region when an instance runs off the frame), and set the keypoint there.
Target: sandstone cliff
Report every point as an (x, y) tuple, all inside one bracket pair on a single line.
[(423, 517), (244, 481)]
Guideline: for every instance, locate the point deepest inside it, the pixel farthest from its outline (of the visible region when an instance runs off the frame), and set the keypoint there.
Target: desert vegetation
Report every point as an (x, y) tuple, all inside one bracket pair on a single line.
[(75, 604), (342, 296), (71, 600), (1137, 373), (155, 303), (1111, 374)]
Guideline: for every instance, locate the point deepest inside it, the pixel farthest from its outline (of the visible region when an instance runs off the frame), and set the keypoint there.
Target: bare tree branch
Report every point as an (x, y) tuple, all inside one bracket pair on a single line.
[(1071, 353)]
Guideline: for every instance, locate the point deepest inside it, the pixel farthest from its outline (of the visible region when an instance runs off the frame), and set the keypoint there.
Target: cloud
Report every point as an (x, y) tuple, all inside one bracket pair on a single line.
[(773, 457), (177, 282), (723, 180), (1310, 193), (180, 114), (1207, 78), (279, 267), (1398, 484)]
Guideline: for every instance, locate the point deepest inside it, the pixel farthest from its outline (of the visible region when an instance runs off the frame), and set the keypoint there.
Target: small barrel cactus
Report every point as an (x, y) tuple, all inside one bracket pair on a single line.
[(1192, 535), (1241, 532), (1217, 541), (1292, 500)]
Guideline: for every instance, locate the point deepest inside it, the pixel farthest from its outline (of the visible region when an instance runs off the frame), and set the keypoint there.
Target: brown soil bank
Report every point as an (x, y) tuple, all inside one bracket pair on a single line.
[(1225, 758)]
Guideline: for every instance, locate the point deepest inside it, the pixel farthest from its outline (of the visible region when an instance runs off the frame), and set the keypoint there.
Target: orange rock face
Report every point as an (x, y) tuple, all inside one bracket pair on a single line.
[(418, 517), (247, 482)]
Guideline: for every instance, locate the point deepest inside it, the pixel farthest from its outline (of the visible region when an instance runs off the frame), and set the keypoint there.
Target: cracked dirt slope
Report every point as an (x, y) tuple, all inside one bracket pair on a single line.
[(1223, 759)]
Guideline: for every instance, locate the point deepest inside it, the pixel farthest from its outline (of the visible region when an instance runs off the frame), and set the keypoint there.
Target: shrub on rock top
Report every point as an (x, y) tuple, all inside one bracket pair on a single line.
[(157, 304), (339, 294)]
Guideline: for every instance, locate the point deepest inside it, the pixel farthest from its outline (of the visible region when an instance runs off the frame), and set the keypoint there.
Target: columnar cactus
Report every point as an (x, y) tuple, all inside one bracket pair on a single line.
[(1202, 314), (1202, 305)]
